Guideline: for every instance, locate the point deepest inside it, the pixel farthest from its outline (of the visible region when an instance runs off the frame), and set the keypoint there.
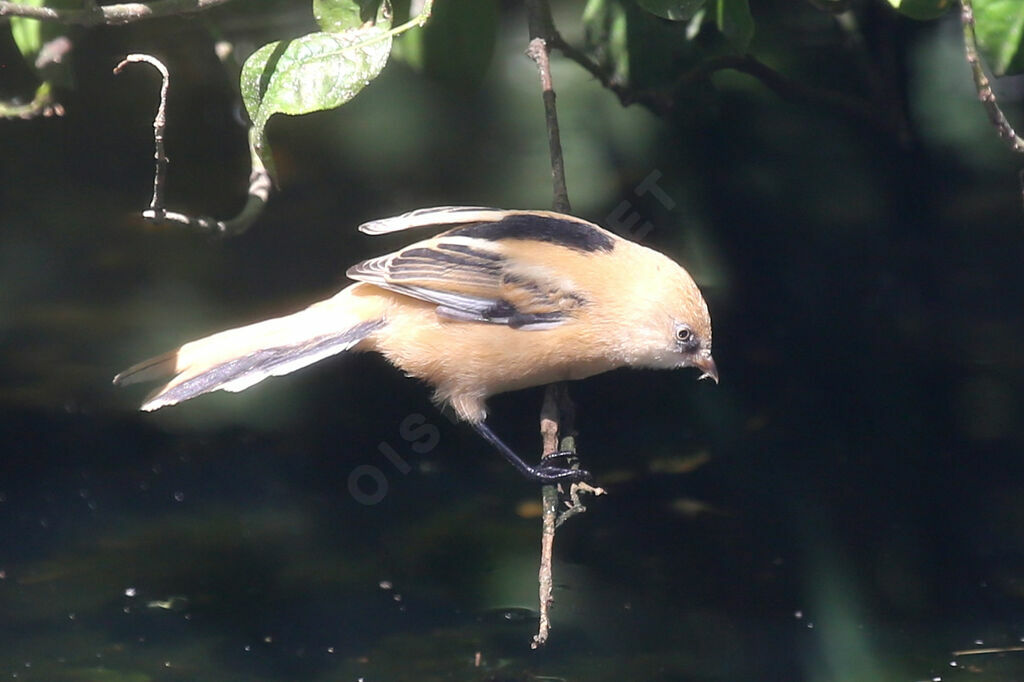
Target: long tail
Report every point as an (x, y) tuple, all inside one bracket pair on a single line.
[(235, 359)]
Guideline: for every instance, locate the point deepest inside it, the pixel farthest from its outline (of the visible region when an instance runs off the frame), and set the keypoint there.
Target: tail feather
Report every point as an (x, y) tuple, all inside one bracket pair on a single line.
[(235, 359), (148, 370)]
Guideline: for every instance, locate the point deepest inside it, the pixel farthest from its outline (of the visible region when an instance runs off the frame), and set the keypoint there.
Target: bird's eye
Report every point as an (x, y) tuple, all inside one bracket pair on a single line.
[(684, 335)]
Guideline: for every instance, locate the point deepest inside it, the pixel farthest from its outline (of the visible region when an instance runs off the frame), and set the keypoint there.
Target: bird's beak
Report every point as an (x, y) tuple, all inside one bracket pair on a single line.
[(706, 364)]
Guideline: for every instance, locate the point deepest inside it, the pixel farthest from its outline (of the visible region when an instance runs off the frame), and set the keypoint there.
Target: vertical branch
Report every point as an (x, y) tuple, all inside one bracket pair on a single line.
[(558, 411), (557, 416), (549, 426), (538, 14), (539, 52)]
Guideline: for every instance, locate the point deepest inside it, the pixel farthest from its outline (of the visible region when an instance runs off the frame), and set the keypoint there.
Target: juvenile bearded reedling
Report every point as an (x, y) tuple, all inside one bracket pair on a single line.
[(502, 300)]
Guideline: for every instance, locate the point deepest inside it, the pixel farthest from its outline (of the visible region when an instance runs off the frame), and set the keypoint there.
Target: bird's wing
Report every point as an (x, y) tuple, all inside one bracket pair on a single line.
[(499, 225), (437, 216), (478, 272)]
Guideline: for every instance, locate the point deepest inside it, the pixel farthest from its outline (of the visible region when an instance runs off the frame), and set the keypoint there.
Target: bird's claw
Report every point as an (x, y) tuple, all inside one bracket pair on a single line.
[(569, 456), (549, 474)]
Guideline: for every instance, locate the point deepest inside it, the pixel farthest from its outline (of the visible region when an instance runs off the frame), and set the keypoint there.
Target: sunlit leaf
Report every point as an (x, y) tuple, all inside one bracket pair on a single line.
[(922, 9), (635, 47), (693, 28), (675, 10), (1000, 29), (312, 73), (27, 33), (334, 16), (736, 23)]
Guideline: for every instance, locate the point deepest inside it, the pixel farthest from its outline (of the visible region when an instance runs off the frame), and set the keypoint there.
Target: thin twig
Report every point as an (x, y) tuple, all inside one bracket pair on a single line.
[(538, 52), (549, 427), (658, 102), (662, 101), (574, 505), (259, 179), (42, 104), (541, 30), (982, 83), (786, 88), (109, 15), (159, 124)]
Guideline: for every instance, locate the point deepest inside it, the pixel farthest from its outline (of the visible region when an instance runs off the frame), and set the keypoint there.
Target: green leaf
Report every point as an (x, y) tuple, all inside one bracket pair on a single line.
[(674, 10), (335, 16), (312, 73), (736, 23), (456, 45), (27, 33), (606, 28), (635, 47), (1000, 29), (44, 44), (693, 28), (922, 9)]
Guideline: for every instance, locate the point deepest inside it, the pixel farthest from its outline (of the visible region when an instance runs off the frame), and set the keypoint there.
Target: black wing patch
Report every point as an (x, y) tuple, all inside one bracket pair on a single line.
[(572, 234)]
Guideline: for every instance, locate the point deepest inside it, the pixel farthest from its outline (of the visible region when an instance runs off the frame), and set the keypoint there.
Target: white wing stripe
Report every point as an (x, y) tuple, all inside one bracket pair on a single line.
[(425, 217)]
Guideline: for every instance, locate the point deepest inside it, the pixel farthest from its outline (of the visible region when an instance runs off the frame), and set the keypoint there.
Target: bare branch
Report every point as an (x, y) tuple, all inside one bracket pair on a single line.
[(538, 52), (657, 102), (788, 88), (549, 427), (159, 124), (982, 83), (42, 104), (109, 15), (661, 102), (260, 184), (259, 179), (542, 30)]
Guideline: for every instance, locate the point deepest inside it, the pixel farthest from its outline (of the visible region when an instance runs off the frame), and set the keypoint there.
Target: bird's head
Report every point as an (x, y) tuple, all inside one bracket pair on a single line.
[(674, 329), (693, 348)]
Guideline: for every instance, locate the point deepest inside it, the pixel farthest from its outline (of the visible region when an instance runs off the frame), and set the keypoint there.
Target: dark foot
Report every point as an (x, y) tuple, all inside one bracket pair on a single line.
[(550, 474), (568, 458), (545, 473)]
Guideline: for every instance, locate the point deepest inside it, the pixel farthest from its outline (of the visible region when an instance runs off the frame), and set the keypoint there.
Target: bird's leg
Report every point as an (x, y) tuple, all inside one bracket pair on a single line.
[(545, 473)]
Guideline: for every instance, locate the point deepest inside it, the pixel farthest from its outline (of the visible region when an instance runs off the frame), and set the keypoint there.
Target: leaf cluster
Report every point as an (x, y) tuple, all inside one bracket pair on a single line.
[(635, 47)]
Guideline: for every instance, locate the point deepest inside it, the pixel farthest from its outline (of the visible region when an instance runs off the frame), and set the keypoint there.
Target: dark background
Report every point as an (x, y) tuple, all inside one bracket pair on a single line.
[(847, 505)]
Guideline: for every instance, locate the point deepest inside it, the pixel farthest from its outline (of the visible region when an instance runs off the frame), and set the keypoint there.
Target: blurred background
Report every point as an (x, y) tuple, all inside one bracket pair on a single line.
[(848, 504)]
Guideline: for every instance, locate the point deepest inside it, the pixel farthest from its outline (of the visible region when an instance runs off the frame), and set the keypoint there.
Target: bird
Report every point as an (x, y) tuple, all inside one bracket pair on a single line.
[(499, 300)]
